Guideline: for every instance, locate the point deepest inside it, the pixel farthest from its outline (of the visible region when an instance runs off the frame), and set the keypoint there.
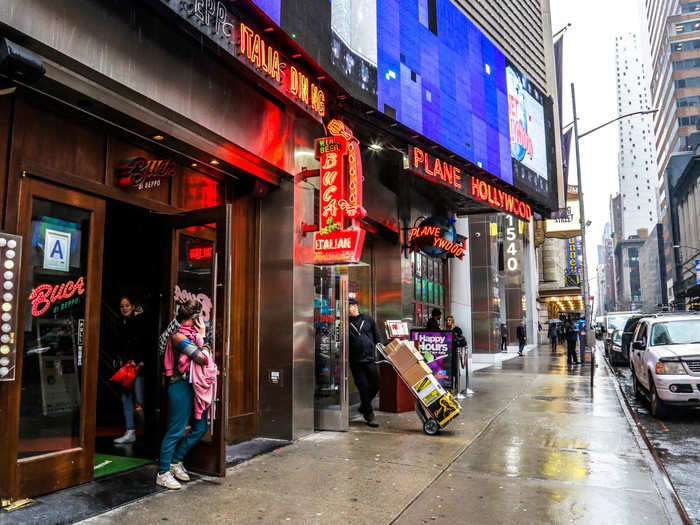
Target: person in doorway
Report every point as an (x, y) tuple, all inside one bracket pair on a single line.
[(184, 344), (504, 337), (363, 337), (459, 342), (571, 334), (434, 321), (553, 334), (129, 338), (521, 333)]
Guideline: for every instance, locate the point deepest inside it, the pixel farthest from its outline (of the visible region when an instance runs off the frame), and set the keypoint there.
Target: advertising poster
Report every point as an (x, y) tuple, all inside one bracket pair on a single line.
[(436, 348)]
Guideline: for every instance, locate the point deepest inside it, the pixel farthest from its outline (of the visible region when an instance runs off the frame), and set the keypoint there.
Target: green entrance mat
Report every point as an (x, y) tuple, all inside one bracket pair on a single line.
[(106, 464)]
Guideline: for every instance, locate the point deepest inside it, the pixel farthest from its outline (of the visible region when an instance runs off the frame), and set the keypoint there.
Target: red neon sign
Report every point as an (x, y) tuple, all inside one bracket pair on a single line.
[(339, 238), (500, 199), (433, 236), (200, 252), (441, 172), (266, 59), (44, 295)]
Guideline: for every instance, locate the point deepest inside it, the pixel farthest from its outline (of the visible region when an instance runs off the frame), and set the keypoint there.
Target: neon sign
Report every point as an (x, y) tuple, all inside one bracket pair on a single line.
[(446, 174), (423, 236), (340, 237), (143, 173), (266, 59), (200, 252), (44, 295), (572, 255)]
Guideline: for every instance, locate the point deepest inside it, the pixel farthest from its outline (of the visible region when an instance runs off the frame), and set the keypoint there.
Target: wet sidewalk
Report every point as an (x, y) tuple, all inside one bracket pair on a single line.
[(531, 446)]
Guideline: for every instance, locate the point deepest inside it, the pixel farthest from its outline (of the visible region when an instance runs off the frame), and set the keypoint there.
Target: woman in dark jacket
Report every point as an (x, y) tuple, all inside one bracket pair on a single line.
[(130, 338)]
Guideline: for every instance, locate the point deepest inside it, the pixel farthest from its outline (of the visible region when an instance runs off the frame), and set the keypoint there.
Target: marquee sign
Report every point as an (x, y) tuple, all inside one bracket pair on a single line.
[(224, 28), (339, 238), (572, 265), (441, 172)]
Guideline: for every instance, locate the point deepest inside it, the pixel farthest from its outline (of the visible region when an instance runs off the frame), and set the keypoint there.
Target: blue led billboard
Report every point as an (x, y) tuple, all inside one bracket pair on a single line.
[(422, 62)]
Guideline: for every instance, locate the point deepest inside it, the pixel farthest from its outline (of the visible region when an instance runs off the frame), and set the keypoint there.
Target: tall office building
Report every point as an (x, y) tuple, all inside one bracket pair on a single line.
[(636, 155), (674, 37)]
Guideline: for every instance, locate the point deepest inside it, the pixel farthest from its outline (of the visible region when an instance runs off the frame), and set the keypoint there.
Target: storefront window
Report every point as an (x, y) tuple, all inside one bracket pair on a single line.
[(54, 327), (429, 275)]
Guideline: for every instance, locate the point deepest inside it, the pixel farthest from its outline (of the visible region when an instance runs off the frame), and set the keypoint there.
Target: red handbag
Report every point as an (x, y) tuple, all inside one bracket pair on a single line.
[(126, 374)]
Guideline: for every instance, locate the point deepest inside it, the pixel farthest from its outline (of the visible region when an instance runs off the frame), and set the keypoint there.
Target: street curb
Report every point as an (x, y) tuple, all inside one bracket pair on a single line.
[(638, 431)]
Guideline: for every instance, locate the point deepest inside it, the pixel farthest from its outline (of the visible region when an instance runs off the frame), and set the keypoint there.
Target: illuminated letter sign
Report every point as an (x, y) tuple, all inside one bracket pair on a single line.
[(572, 255), (340, 237), (436, 170), (44, 295), (436, 237), (142, 173)]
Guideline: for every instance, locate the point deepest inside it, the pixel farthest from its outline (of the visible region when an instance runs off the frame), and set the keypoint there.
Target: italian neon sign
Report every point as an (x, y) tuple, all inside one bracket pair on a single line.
[(44, 295), (266, 59), (339, 238), (446, 174)]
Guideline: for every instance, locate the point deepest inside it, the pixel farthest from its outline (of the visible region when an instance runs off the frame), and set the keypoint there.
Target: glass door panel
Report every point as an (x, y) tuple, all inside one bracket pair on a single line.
[(54, 321), (330, 312)]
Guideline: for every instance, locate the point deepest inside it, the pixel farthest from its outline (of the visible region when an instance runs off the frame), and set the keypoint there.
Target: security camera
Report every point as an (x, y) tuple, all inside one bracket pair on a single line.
[(18, 63), (477, 234)]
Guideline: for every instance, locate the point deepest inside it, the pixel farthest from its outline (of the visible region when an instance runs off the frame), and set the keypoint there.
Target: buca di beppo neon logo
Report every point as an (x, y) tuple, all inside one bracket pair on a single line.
[(44, 295)]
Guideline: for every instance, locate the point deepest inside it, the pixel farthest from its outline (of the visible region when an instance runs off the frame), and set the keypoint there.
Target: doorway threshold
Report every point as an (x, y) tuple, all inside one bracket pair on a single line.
[(107, 493)]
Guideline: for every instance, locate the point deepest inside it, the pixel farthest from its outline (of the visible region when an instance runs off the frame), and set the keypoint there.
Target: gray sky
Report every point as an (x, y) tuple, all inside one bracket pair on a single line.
[(589, 62)]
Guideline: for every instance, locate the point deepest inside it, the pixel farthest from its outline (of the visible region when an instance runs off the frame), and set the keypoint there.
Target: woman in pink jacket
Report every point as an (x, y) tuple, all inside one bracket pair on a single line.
[(184, 348)]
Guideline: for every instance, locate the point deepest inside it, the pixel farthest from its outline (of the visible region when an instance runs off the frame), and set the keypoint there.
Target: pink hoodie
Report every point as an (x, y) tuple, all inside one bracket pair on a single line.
[(203, 379), (183, 361)]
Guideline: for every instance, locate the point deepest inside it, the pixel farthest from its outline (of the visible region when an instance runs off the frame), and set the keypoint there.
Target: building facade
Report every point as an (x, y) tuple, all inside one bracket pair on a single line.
[(653, 272), (192, 137), (636, 155)]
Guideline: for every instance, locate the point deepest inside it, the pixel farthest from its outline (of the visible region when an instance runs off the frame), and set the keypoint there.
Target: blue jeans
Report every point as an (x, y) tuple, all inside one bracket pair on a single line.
[(175, 447), (128, 396)]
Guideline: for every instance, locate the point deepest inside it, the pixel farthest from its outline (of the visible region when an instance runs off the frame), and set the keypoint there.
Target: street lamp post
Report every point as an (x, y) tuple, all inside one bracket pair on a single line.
[(577, 136)]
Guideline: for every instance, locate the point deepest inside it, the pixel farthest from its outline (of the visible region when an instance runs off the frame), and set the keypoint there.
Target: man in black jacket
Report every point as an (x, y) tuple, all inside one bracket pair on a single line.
[(434, 321), (521, 332), (571, 335), (363, 337)]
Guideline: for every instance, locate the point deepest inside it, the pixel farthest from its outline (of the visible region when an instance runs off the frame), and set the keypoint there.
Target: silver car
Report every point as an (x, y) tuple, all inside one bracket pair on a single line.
[(665, 362)]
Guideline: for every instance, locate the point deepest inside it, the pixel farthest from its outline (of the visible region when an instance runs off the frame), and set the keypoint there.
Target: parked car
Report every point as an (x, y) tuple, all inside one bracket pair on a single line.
[(616, 341), (614, 321), (665, 361)]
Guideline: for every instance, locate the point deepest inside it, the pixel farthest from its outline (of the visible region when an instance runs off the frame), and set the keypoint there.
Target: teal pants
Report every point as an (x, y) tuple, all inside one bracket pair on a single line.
[(175, 447)]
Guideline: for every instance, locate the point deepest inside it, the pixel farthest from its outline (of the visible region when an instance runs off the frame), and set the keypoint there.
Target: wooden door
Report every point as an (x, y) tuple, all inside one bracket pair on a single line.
[(201, 269), (51, 404)]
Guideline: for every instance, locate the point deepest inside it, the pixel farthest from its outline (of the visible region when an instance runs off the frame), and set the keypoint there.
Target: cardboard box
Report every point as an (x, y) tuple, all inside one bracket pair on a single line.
[(417, 372), (445, 408), (403, 358), (428, 389), (392, 346)]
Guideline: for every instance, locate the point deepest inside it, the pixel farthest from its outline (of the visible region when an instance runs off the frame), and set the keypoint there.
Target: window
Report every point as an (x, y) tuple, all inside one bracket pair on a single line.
[(429, 286), (687, 82), (689, 121), (686, 64), (688, 101), (687, 27), (688, 45), (690, 7)]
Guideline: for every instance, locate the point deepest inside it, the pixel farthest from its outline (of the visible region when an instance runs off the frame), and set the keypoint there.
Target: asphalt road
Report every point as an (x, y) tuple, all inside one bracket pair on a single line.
[(677, 442)]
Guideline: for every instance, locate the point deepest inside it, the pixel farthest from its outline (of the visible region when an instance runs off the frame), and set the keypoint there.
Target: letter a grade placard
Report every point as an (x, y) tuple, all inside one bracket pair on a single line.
[(57, 250), (339, 238)]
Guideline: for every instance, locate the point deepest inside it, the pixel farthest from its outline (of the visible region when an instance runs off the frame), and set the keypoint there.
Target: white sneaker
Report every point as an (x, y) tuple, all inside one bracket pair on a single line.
[(167, 480), (178, 470), (128, 437)]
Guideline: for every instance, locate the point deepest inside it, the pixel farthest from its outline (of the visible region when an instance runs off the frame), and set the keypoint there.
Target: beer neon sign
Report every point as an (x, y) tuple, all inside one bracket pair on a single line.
[(340, 237), (266, 59), (44, 295), (446, 174)]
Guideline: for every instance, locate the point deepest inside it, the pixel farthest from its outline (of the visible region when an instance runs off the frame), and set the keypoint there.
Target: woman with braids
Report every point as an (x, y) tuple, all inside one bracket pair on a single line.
[(183, 342)]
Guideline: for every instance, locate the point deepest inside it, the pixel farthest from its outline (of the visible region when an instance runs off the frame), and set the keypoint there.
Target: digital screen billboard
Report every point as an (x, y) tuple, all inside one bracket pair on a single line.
[(422, 62)]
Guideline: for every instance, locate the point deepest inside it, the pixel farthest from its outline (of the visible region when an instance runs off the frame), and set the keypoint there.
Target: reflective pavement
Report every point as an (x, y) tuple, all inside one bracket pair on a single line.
[(676, 439), (533, 445)]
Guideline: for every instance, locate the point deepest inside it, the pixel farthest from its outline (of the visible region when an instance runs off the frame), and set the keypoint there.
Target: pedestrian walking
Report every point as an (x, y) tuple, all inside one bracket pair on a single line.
[(184, 344), (582, 338), (363, 337), (521, 333), (434, 321), (553, 334), (459, 344), (571, 335), (129, 341), (504, 337)]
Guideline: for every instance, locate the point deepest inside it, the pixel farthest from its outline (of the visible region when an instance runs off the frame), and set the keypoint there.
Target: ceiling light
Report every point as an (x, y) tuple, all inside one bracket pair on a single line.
[(194, 164), (376, 147), (214, 162), (158, 137)]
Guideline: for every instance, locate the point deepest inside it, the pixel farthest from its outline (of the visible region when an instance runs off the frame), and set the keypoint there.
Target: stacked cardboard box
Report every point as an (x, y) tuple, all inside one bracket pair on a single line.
[(412, 367)]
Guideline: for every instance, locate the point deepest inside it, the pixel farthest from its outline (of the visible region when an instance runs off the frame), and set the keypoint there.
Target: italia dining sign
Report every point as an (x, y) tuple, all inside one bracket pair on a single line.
[(339, 238), (442, 172)]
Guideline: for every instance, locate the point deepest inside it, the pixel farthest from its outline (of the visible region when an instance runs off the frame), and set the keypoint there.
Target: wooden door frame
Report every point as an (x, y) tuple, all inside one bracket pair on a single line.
[(207, 462), (53, 471)]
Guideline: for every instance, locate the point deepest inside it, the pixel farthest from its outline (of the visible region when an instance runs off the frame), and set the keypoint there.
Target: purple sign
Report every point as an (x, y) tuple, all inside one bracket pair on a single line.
[(436, 348)]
